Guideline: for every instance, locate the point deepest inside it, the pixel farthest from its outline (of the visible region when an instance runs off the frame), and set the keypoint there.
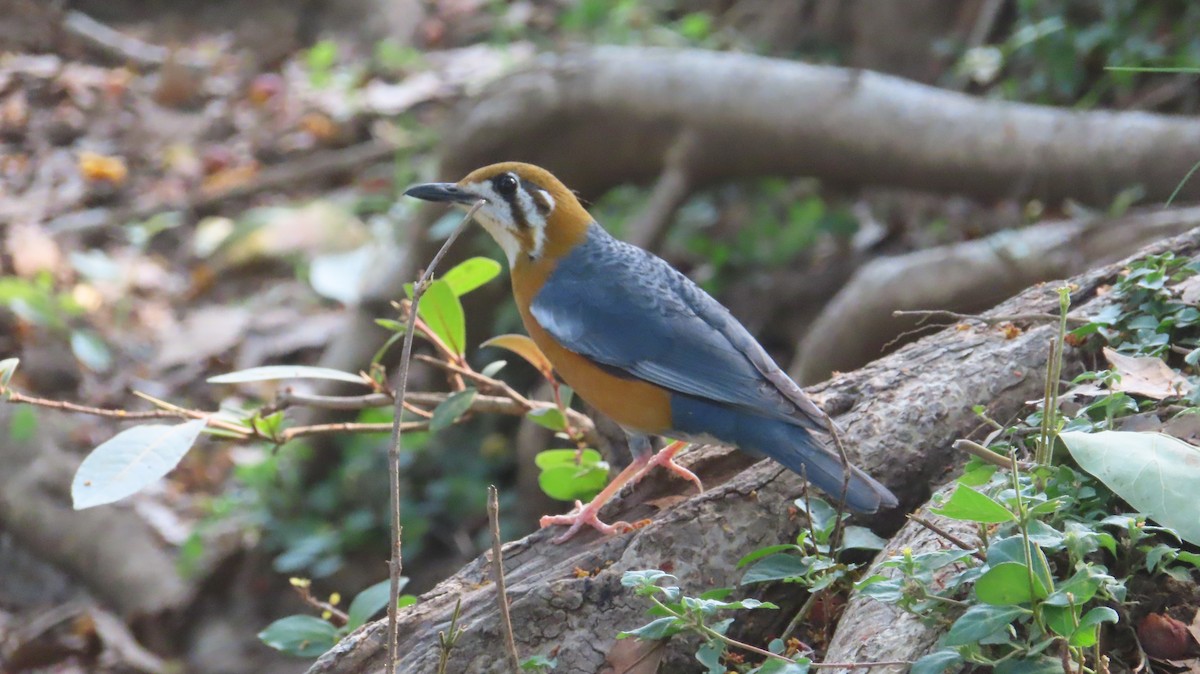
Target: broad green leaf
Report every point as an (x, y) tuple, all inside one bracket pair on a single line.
[(8, 367), (778, 566), (274, 372), (936, 662), (552, 458), (1012, 549), (548, 417), (442, 311), (709, 655), (470, 274), (1009, 584), (981, 621), (451, 409), (1155, 473), (300, 635), (776, 666), (130, 461), (493, 367), (763, 552), (973, 506), (368, 602), (861, 538), (525, 348), (570, 483), (91, 350), (656, 629), (1089, 626), (1060, 619), (822, 515)]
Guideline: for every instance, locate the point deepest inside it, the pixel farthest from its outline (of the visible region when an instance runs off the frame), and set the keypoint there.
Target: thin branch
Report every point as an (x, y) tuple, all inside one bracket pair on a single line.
[(349, 427), (304, 589), (926, 314), (510, 642), (397, 564), (958, 542), (288, 398), (18, 397), (979, 451)]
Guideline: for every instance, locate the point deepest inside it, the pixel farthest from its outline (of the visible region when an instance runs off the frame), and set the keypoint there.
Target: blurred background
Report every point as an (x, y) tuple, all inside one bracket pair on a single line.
[(190, 187)]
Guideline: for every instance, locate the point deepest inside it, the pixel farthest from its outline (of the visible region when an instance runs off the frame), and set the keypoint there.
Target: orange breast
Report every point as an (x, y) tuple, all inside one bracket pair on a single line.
[(635, 404)]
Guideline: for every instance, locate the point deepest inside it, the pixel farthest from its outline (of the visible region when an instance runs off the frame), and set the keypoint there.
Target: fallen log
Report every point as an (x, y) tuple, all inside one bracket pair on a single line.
[(900, 416)]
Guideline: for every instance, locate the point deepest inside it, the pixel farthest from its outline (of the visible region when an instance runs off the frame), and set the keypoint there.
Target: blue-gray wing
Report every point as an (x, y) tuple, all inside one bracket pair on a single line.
[(626, 309)]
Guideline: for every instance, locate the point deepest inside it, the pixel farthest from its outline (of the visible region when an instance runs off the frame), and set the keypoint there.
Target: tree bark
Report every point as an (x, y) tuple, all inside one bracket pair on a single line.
[(900, 415)]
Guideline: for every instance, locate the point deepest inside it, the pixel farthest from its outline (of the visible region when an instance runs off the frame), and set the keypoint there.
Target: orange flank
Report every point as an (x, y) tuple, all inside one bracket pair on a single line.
[(632, 403)]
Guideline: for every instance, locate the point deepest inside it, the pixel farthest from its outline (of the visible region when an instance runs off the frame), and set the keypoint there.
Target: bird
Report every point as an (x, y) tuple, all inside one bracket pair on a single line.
[(643, 344)]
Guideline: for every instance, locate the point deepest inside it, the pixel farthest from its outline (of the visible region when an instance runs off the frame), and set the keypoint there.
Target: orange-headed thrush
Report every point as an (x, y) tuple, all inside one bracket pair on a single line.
[(642, 343)]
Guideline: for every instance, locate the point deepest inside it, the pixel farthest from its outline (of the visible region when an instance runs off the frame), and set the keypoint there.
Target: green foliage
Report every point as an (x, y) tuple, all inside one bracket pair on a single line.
[(1057, 557), (37, 301), (674, 612), (307, 636), (570, 475), (1057, 52)]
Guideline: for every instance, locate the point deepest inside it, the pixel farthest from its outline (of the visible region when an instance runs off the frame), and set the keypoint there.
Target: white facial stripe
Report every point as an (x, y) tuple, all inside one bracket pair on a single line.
[(549, 200), (535, 220)]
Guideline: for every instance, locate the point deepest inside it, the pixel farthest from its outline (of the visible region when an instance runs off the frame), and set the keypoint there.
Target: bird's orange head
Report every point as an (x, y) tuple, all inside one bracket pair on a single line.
[(525, 208)]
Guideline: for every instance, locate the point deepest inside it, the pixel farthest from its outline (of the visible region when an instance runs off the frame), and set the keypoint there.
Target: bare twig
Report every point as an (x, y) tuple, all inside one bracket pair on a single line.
[(304, 589), (979, 451), (925, 314), (350, 427), (510, 642), (397, 565), (958, 542)]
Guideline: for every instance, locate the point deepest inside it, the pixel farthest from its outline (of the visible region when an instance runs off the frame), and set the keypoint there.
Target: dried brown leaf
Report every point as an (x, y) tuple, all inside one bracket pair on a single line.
[(1146, 376)]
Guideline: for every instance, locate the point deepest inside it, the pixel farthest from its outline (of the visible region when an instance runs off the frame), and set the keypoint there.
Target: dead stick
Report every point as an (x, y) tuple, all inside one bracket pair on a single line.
[(510, 642), (397, 564), (973, 549)]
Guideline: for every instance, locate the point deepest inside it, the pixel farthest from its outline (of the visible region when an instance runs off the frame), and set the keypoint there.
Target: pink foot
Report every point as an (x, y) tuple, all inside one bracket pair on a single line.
[(666, 459), (583, 515)]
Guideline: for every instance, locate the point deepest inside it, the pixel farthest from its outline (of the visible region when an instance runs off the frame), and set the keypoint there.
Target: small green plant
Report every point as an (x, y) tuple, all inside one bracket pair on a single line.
[(675, 613), (1056, 551), (308, 636)]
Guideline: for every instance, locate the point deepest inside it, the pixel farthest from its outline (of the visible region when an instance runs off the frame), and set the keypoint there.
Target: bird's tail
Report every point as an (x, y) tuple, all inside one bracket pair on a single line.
[(802, 453)]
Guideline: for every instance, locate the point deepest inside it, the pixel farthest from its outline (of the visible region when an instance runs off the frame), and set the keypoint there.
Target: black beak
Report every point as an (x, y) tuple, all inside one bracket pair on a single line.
[(441, 192)]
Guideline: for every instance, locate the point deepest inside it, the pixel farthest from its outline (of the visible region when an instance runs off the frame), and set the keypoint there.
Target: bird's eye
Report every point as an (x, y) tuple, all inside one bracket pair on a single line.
[(505, 184)]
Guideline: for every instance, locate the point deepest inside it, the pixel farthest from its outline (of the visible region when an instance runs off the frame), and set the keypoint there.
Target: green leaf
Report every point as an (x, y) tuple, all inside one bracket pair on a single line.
[(656, 629), (1009, 584), (776, 666), (552, 458), (571, 483), (493, 367), (442, 311), (470, 274), (301, 635), (776, 567), (369, 602), (821, 514), (763, 552), (709, 655), (130, 461), (8, 367), (1088, 632), (451, 409), (548, 417), (274, 372), (91, 350), (536, 663), (1155, 473), (936, 662), (1012, 549), (22, 424), (973, 506), (981, 621), (861, 538)]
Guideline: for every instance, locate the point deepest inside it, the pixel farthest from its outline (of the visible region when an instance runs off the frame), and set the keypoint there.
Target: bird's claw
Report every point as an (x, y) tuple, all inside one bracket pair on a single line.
[(666, 459), (580, 516)]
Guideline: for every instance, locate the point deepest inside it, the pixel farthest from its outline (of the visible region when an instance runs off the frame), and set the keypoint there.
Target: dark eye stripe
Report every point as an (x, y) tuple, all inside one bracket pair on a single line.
[(539, 199)]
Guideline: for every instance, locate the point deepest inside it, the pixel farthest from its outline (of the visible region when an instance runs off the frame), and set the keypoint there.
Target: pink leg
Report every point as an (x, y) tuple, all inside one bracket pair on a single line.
[(589, 514)]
